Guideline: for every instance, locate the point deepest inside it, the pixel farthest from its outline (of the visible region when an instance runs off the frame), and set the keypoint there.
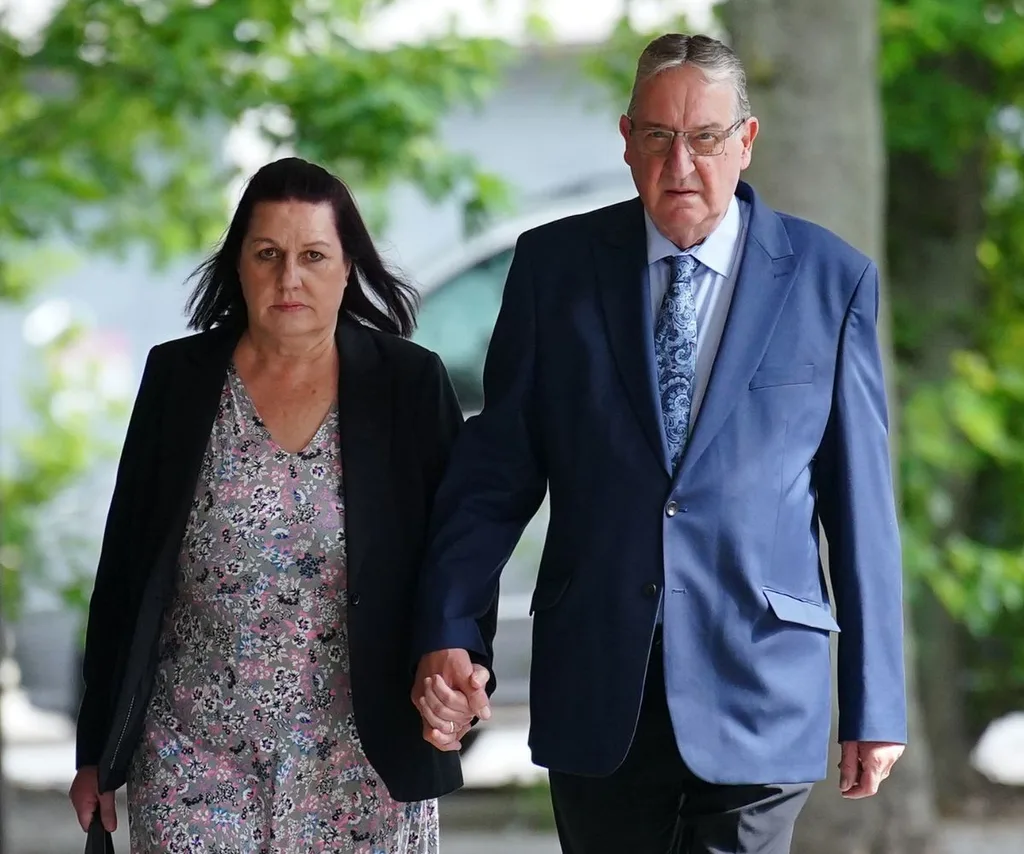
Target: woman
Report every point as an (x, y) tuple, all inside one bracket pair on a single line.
[(247, 660)]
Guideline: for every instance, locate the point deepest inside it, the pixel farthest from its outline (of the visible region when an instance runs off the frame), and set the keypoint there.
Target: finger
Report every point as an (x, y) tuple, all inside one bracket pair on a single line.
[(440, 740), (448, 698), (849, 767), (85, 813), (445, 703), (443, 719), (479, 702), (481, 676), (867, 785), (431, 718), (447, 746), (108, 812), (85, 804)]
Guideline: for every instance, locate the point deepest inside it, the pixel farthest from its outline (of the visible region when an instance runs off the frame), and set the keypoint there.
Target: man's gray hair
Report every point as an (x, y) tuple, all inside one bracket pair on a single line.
[(717, 60)]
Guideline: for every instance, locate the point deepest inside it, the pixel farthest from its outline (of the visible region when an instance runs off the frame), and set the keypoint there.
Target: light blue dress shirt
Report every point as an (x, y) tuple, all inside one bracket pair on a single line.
[(719, 256), (714, 280)]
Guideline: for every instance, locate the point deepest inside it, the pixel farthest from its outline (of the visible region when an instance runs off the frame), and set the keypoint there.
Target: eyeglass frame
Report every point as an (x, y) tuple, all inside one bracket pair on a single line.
[(685, 134)]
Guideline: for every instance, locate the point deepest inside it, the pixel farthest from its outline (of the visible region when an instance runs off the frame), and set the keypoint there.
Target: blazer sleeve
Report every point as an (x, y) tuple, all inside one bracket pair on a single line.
[(493, 486), (441, 421), (109, 606), (857, 509)]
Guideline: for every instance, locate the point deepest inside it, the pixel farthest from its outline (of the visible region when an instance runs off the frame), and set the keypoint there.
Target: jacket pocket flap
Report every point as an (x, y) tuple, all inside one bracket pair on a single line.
[(782, 375), (792, 610), (547, 593)]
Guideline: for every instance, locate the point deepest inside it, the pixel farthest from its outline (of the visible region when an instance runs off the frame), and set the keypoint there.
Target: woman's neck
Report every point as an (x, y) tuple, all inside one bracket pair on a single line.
[(299, 354)]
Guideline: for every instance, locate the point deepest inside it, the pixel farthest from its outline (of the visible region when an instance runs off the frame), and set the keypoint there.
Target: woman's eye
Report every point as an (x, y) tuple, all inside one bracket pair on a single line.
[(315, 256), (267, 254)]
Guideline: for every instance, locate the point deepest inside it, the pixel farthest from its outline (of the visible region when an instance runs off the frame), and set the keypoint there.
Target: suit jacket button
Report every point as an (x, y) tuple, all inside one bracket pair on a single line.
[(353, 599), (671, 509), (650, 589)]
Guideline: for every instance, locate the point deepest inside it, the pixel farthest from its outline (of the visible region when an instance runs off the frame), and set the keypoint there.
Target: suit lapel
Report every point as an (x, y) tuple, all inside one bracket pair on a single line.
[(620, 257), (766, 276), (365, 414)]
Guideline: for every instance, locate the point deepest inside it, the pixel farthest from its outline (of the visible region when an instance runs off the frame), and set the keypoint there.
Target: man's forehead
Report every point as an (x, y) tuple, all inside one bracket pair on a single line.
[(682, 93)]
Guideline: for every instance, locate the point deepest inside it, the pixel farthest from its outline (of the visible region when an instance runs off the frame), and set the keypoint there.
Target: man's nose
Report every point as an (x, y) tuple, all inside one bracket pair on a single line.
[(679, 159)]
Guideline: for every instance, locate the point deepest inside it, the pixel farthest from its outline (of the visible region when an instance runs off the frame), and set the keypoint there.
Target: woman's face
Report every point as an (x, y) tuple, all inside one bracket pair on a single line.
[(293, 269)]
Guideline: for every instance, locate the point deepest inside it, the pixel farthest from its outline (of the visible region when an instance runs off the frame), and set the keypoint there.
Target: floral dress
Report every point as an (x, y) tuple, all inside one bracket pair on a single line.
[(250, 744)]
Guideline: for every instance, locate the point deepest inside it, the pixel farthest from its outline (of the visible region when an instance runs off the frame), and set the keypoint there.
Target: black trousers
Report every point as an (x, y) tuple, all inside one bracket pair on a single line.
[(654, 804)]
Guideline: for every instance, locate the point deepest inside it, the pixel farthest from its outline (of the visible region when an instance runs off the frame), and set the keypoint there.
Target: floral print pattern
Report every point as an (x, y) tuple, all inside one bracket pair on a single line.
[(250, 744), (675, 349)]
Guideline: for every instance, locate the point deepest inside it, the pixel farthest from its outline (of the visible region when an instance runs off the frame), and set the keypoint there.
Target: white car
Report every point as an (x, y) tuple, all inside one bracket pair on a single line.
[(461, 296)]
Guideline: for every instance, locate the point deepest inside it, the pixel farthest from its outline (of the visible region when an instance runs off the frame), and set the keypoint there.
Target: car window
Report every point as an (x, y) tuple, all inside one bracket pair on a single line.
[(456, 319)]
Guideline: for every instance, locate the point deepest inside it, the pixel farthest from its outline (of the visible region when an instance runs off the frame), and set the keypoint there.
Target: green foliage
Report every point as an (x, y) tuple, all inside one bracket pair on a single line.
[(613, 64), (952, 72), (74, 400), (112, 119)]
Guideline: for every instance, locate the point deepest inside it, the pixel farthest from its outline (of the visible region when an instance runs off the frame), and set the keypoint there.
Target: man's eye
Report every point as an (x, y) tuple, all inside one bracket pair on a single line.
[(707, 136), (659, 134)]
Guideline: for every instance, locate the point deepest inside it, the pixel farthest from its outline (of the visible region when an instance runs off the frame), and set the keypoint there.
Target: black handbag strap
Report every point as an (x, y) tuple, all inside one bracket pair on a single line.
[(98, 840)]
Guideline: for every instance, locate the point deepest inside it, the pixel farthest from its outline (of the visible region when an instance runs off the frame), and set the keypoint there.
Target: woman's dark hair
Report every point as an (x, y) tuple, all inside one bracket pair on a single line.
[(217, 299)]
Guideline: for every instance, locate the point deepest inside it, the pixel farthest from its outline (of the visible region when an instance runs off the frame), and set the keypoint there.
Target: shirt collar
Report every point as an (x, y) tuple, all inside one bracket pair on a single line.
[(717, 251)]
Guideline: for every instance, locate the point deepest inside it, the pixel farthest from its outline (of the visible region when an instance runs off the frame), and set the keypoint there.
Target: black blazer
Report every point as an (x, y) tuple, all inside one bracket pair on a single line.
[(399, 417)]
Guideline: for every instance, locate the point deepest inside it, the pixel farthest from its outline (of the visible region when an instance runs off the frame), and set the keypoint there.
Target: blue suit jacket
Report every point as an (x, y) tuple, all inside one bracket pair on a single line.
[(793, 429)]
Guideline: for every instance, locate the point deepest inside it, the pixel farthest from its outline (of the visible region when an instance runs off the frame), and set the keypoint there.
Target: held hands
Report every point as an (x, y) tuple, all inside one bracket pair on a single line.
[(449, 693), (864, 765)]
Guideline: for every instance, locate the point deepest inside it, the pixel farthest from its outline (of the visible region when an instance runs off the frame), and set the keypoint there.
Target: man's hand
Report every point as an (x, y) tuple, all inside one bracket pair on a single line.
[(864, 765), (449, 691)]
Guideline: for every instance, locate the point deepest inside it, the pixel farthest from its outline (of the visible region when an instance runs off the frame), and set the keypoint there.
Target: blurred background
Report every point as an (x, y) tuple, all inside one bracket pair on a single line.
[(127, 127)]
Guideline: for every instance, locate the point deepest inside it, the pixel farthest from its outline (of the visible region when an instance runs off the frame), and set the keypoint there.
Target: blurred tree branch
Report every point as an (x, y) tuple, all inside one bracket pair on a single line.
[(113, 116)]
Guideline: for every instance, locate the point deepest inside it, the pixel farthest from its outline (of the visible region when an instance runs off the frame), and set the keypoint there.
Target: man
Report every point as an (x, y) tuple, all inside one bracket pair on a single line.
[(696, 381)]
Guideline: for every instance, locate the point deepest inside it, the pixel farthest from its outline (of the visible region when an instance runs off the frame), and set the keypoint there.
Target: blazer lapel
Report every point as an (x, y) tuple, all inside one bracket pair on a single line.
[(192, 407), (620, 257), (365, 415), (766, 276)]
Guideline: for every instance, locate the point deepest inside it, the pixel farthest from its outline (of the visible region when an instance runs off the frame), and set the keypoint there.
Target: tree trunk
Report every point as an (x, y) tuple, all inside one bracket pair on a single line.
[(937, 221), (812, 69)]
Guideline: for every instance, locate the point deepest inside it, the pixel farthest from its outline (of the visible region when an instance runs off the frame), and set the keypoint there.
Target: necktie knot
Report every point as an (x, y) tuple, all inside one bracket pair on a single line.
[(682, 267)]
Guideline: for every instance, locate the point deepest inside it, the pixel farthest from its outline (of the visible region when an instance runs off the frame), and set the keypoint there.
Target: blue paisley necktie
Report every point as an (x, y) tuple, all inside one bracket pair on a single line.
[(675, 349)]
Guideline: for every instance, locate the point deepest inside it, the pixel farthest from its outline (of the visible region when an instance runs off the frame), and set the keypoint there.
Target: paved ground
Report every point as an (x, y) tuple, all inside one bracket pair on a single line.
[(42, 823)]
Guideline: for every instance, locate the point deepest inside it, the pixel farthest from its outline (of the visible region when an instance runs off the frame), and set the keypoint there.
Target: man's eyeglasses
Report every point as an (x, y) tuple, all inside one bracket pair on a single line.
[(700, 143)]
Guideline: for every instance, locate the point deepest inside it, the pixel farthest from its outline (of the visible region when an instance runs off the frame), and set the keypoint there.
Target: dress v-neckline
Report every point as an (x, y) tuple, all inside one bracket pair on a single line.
[(252, 416)]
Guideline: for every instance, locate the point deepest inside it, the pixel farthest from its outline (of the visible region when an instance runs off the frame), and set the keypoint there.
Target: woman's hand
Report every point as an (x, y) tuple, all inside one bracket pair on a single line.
[(85, 796), (447, 715)]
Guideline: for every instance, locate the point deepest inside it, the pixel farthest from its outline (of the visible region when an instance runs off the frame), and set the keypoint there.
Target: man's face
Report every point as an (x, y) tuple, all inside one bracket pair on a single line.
[(686, 195)]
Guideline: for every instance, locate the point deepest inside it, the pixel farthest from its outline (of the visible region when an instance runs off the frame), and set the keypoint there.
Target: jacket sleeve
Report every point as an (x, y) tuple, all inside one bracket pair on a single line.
[(493, 486), (857, 509), (108, 606)]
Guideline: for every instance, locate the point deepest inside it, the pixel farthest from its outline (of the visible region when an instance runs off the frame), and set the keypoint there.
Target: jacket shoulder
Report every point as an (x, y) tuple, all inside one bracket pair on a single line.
[(192, 345), (406, 358), (809, 237), (583, 225)]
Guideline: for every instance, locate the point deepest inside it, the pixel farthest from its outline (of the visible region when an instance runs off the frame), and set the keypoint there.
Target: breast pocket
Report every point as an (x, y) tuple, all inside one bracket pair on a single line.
[(771, 376)]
